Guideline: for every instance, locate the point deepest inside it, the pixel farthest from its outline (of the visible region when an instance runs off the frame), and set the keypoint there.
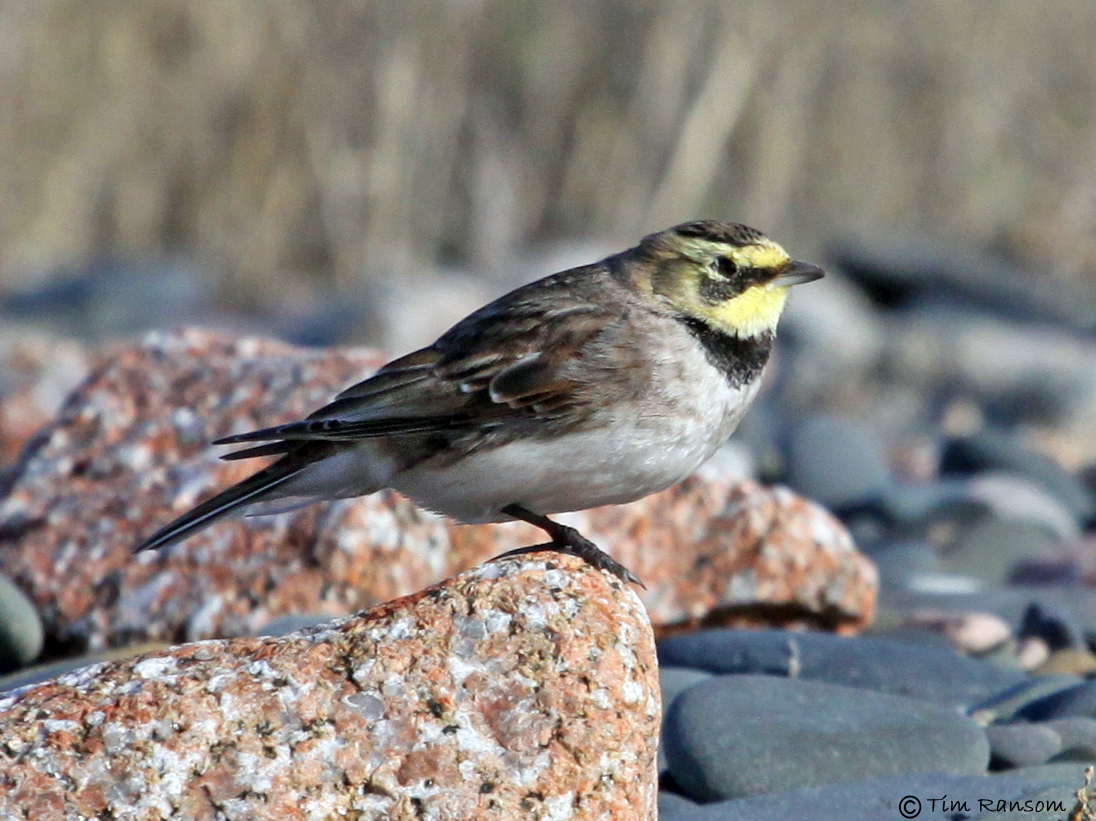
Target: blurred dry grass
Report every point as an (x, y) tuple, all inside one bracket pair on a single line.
[(348, 140)]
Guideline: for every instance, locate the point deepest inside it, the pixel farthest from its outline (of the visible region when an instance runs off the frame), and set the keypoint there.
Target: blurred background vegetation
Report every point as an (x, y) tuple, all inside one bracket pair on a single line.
[(282, 147)]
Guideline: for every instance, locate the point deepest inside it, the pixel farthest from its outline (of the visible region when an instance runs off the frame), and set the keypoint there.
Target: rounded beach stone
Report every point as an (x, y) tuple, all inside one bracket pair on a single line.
[(930, 673), (674, 681), (993, 451), (1079, 700), (836, 460), (745, 735), (1021, 745), (989, 550), (1078, 737), (21, 632), (1008, 703)]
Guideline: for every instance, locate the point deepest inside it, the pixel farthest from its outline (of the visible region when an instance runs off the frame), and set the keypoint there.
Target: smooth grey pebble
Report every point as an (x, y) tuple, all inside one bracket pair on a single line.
[(674, 681), (672, 807), (1078, 737), (996, 451), (1010, 603), (1012, 497), (901, 562), (1065, 772), (911, 634), (1007, 704), (21, 631), (836, 460), (989, 550), (1079, 700), (930, 673), (736, 736), (1021, 745)]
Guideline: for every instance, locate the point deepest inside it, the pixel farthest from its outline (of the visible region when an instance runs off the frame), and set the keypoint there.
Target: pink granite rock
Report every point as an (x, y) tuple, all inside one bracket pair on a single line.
[(129, 451), (714, 551), (526, 688), (37, 372)]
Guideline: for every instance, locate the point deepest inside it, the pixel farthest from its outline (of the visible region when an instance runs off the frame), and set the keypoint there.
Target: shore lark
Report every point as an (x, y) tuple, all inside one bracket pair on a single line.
[(597, 385)]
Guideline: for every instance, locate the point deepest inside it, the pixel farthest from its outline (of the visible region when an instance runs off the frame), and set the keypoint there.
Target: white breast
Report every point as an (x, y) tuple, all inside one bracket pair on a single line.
[(635, 454)]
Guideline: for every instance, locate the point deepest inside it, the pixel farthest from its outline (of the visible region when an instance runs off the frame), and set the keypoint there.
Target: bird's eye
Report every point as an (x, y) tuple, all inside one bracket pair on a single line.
[(727, 267)]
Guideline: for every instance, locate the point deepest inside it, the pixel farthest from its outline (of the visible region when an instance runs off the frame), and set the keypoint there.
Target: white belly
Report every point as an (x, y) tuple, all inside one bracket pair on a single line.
[(576, 471)]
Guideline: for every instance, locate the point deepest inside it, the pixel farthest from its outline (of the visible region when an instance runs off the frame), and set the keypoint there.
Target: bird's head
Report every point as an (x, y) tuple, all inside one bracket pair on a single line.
[(729, 276)]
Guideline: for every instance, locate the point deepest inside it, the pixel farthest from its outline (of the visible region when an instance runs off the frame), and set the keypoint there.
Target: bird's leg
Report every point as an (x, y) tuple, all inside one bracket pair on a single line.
[(569, 540)]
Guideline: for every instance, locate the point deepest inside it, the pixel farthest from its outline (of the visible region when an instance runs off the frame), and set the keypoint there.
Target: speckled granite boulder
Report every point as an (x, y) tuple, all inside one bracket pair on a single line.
[(130, 450), (717, 552), (526, 688), (37, 371)]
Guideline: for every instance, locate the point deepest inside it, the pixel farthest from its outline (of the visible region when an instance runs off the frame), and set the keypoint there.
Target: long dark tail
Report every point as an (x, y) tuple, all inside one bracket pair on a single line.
[(253, 489)]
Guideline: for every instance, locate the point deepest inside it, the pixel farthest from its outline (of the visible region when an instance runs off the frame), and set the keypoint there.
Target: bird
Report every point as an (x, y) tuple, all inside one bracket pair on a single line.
[(596, 385)]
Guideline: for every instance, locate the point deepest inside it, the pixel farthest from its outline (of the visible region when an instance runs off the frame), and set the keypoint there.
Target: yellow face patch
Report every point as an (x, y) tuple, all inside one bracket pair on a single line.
[(687, 272), (754, 311)]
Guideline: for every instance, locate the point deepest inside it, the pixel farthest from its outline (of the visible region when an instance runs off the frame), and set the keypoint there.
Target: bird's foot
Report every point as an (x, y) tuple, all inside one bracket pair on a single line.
[(568, 540)]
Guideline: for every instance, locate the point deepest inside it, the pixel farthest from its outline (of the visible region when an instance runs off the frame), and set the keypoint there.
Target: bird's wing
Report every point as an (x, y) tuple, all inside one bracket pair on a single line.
[(501, 363), (528, 359)]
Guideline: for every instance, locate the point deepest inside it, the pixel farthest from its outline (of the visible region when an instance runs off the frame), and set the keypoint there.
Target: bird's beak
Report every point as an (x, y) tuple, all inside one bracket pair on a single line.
[(797, 273)]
